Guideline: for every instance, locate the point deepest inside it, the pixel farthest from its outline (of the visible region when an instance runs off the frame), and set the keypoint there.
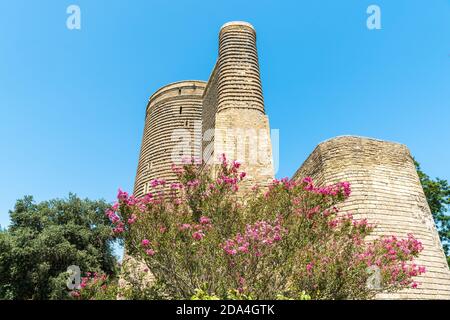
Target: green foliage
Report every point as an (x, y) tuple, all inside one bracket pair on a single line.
[(302, 296), (46, 238), (202, 294), (204, 240), (437, 192)]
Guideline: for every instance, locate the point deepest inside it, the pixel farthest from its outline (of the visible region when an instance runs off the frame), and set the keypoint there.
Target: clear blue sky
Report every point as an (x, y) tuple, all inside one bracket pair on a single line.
[(72, 103)]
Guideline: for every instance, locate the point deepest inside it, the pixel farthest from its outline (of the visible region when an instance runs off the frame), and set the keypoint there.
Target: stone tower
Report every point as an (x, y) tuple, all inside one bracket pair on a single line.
[(226, 115), (172, 131), (387, 191), (234, 119), (204, 120)]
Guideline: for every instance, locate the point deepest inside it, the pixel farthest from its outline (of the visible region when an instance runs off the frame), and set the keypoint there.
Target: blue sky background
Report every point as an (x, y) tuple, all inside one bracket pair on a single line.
[(72, 103)]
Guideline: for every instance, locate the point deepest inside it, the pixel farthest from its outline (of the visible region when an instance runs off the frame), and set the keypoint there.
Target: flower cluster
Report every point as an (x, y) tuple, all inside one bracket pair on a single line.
[(331, 190), (197, 229), (291, 238), (157, 182), (91, 284), (392, 255), (257, 236)]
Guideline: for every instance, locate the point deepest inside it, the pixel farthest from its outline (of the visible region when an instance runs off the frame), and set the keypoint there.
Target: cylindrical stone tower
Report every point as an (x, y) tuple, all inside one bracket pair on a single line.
[(234, 97), (387, 191), (239, 83), (172, 131)]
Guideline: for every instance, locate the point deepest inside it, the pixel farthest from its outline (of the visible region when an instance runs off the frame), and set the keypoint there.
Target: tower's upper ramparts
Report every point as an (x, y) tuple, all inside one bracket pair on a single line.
[(177, 90)]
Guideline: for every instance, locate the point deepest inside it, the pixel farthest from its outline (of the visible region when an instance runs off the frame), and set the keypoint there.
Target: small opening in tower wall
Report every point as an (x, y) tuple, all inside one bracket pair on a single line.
[(179, 91), (181, 110)]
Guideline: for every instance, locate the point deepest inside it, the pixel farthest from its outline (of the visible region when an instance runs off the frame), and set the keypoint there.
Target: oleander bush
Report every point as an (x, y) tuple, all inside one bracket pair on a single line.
[(206, 239)]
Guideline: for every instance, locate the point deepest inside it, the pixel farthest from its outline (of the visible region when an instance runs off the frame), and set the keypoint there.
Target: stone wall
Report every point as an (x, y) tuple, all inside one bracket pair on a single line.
[(234, 106), (209, 112), (244, 135), (387, 191)]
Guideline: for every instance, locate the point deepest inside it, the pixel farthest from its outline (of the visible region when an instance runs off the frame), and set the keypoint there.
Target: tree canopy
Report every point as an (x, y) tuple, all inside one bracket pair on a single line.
[(45, 238)]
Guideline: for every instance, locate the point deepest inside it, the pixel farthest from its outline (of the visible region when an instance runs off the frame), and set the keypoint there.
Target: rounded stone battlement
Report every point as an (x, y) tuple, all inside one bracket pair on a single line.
[(356, 137), (177, 90), (238, 24)]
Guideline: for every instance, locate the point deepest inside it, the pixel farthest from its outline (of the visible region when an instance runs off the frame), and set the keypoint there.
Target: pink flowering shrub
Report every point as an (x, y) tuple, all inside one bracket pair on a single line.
[(287, 240), (96, 286)]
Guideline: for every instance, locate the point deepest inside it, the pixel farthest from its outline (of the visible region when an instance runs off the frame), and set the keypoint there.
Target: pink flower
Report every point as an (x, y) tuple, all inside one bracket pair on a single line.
[(243, 249), (194, 183), (132, 219), (309, 267), (223, 159), (150, 252), (122, 195), (110, 213), (243, 175), (145, 242), (118, 230), (205, 220), (258, 235), (157, 182), (198, 235), (333, 223), (176, 186), (177, 170), (185, 226)]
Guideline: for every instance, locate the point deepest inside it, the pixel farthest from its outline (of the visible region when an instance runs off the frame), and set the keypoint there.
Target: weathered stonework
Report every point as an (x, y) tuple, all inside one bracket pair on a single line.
[(229, 106), (233, 106), (172, 131), (387, 191), (227, 115)]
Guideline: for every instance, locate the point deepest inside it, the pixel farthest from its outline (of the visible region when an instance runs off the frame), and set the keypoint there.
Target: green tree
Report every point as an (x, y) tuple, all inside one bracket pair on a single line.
[(437, 192), (46, 238)]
